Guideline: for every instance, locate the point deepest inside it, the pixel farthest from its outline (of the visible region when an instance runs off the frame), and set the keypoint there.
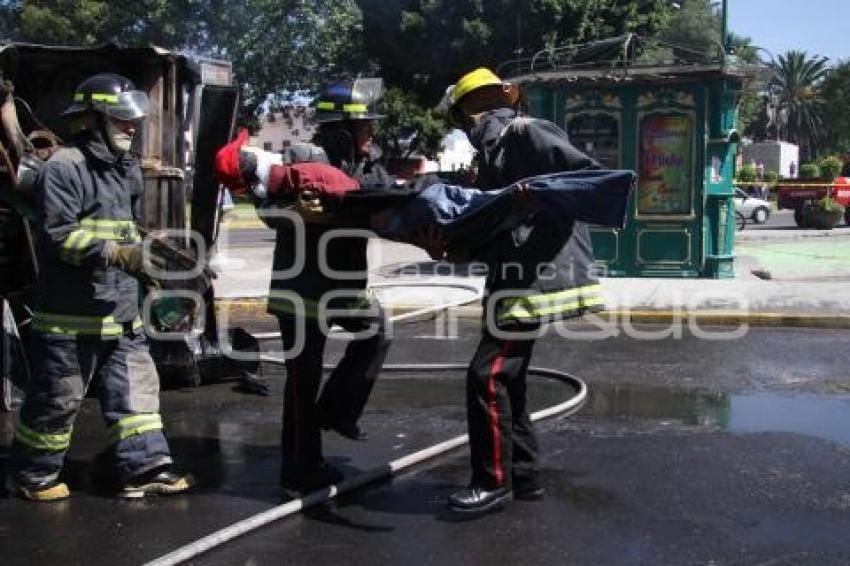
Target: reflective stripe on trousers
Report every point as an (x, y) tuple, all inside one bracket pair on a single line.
[(129, 400), (46, 441), (135, 424), (72, 325)]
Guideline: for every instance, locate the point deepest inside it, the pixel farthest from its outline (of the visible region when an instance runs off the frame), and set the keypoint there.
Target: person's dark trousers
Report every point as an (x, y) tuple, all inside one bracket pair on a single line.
[(301, 437), (128, 390), (503, 444), (347, 391)]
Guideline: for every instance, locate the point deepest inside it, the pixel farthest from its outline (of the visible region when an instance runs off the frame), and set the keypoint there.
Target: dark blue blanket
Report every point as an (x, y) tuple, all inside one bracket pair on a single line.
[(596, 197)]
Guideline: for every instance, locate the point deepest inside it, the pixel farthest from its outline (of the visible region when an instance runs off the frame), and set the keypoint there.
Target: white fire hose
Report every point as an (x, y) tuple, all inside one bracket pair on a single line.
[(245, 526)]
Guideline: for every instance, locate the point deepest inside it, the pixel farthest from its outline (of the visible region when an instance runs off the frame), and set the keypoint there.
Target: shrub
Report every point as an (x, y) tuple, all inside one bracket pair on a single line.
[(747, 174), (771, 176), (831, 167), (809, 171), (827, 204)]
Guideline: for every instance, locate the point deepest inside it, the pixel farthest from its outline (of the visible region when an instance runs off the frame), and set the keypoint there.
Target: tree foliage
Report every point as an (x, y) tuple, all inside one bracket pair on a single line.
[(283, 47), (835, 91), (408, 127), (796, 85), (277, 47), (422, 46), (695, 24)]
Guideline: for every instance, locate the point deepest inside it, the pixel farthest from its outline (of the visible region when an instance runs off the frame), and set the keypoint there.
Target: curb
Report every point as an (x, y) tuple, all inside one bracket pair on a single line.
[(256, 306), (786, 236), (247, 224)]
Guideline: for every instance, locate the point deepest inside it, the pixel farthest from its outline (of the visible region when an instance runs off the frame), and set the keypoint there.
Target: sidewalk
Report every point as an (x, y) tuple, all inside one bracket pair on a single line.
[(809, 285)]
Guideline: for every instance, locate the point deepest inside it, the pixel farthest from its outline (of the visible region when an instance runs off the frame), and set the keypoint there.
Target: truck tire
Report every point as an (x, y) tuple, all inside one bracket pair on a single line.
[(847, 216), (760, 215), (740, 221)]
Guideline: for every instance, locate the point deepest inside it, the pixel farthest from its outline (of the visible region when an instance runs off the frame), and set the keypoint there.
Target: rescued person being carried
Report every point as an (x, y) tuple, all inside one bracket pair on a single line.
[(467, 218)]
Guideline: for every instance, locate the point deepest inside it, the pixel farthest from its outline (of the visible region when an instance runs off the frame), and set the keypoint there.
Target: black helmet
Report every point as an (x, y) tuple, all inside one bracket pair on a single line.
[(349, 100), (110, 94)]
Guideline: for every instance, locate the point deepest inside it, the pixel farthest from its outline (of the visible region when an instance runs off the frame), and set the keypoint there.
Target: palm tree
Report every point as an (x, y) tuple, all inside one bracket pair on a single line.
[(796, 89)]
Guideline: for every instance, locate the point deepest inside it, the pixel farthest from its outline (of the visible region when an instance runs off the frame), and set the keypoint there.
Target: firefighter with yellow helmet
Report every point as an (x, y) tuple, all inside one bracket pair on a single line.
[(541, 272)]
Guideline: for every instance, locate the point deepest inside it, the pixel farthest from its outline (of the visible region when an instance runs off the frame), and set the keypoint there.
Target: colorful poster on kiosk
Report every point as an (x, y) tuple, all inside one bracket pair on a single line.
[(666, 164)]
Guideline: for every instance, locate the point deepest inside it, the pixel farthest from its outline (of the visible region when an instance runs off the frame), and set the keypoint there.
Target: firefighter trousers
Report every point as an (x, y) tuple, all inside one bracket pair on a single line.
[(344, 395), (128, 389), (502, 441)]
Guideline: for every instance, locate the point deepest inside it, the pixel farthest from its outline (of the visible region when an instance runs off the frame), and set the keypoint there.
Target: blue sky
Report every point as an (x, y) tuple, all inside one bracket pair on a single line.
[(819, 27)]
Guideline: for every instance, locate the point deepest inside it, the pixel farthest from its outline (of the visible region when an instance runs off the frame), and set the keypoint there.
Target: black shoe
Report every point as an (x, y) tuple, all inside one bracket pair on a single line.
[(528, 490), (348, 430), (159, 481), (303, 482), (479, 500)]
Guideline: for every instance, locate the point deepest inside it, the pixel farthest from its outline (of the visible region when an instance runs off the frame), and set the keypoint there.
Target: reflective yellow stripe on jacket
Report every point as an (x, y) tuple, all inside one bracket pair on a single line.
[(71, 325), (75, 245), (135, 424), (546, 305), (120, 230), (48, 442)]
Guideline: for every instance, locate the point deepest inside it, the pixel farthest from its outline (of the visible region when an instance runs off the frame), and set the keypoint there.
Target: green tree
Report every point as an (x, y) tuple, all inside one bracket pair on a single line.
[(695, 24), (88, 22), (751, 105), (408, 127), (281, 48), (278, 47), (836, 100), (796, 85), (423, 46)]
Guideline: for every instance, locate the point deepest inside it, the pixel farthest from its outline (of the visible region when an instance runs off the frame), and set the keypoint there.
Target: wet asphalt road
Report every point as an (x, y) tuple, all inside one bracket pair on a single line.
[(690, 451)]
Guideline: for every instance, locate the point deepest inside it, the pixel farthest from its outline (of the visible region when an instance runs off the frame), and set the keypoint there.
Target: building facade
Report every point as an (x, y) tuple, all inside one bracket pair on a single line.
[(290, 125)]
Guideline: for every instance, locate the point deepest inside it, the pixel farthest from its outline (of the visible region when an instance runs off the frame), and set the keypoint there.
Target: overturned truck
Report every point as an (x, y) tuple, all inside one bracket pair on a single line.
[(192, 109)]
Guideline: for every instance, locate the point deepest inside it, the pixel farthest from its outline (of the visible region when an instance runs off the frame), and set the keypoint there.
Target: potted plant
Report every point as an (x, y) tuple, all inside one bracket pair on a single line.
[(822, 214)]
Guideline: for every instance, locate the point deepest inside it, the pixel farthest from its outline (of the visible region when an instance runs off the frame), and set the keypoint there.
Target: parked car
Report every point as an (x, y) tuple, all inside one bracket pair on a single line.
[(751, 208)]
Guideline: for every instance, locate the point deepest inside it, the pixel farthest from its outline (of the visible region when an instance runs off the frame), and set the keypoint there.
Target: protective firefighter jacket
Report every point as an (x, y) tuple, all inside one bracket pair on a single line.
[(543, 270), (344, 256), (87, 196)]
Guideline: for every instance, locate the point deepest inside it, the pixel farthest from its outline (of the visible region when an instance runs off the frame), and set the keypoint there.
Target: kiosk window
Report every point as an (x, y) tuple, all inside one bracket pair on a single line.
[(666, 164), (597, 135)]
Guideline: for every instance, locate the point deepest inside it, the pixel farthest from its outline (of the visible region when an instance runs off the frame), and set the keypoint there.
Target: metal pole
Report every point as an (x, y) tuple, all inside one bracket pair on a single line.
[(724, 26)]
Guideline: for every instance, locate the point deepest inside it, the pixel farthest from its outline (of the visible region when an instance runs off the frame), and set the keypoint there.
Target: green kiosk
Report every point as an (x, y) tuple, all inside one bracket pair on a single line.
[(667, 112)]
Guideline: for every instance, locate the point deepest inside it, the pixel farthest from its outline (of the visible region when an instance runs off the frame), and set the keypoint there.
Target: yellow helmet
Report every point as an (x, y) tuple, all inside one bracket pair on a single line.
[(472, 81)]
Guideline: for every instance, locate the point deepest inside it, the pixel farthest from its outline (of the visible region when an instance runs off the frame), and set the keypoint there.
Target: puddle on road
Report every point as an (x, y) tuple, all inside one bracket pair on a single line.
[(821, 416)]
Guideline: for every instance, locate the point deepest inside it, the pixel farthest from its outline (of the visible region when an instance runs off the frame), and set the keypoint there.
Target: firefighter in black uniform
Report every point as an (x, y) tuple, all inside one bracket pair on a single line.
[(540, 272), (86, 324), (329, 289)]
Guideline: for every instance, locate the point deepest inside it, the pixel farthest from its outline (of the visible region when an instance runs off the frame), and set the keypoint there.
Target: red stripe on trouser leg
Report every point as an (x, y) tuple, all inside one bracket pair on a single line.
[(495, 369), (296, 419)]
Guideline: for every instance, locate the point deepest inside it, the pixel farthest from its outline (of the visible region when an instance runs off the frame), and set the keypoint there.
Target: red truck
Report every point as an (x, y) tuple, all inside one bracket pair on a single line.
[(795, 195)]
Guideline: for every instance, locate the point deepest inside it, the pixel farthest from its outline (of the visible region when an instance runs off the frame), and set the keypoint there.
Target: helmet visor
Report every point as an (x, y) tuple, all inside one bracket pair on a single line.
[(129, 105)]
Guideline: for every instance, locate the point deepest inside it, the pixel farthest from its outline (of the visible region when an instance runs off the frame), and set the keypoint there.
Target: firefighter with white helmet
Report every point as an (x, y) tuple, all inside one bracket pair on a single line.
[(86, 326)]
